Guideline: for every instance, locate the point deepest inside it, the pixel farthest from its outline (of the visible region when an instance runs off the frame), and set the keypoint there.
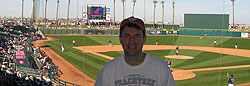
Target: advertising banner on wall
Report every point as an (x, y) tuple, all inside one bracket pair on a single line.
[(172, 32), (84, 16), (155, 32), (108, 10), (244, 35), (108, 17)]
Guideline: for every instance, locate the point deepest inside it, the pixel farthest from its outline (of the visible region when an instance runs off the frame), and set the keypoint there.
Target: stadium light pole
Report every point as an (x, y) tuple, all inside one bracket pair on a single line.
[(77, 12), (173, 16), (133, 12), (154, 12), (233, 11), (123, 8), (45, 12), (144, 12), (57, 12), (68, 14), (22, 12), (33, 12), (162, 2)]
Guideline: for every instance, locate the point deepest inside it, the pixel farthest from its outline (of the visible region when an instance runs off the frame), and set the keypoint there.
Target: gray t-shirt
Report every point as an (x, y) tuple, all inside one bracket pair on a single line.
[(152, 72)]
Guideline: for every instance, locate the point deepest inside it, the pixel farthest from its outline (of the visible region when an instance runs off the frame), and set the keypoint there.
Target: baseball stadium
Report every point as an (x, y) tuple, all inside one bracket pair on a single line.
[(71, 52)]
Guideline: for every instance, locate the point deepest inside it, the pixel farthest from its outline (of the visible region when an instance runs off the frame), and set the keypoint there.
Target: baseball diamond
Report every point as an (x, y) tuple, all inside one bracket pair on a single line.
[(92, 52), (124, 43)]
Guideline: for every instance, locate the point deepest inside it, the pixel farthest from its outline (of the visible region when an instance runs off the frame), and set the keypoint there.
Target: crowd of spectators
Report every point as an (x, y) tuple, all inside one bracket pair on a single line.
[(46, 64), (239, 28), (9, 45)]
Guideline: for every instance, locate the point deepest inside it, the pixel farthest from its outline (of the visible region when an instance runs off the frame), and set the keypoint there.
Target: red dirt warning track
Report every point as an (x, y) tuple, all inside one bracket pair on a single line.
[(70, 72)]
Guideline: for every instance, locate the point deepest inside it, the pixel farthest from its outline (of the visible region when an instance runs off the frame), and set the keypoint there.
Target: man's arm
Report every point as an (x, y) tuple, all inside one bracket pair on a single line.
[(166, 77), (102, 79)]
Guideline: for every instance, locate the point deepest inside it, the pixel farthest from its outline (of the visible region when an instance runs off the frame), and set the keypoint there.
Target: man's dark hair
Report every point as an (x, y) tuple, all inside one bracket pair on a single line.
[(134, 26)]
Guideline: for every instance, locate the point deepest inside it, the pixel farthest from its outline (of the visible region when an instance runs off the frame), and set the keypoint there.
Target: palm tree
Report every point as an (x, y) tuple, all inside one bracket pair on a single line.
[(114, 12), (154, 12), (45, 11), (233, 11), (123, 8), (57, 12), (22, 11), (173, 16), (162, 2), (68, 14), (133, 13)]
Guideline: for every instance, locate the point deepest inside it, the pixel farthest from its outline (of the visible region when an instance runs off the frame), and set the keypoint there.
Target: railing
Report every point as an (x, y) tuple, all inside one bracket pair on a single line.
[(54, 71), (60, 82)]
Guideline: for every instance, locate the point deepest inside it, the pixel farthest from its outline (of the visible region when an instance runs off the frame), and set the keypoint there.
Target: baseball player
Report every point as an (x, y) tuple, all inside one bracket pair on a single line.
[(231, 81), (156, 42), (236, 46), (201, 37), (177, 50), (169, 63), (62, 47), (110, 43), (73, 42), (214, 43)]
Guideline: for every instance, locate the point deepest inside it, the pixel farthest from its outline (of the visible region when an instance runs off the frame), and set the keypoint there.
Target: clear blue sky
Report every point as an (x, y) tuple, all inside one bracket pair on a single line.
[(12, 8)]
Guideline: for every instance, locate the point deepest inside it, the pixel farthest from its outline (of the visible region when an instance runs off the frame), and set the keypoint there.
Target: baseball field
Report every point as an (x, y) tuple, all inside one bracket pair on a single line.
[(199, 63)]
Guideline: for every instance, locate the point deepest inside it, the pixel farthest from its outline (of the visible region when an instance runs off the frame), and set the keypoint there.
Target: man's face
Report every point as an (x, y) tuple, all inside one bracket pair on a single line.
[(132, 41)]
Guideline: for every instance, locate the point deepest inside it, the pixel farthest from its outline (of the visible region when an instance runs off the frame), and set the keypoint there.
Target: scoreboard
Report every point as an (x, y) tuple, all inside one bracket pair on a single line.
[(96, 13)]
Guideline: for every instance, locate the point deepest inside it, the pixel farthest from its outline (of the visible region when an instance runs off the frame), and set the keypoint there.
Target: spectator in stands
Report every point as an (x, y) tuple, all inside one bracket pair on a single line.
[(34, 50), (45, 77), (9, 71), (19, 74), (24, 76), (27, 78)]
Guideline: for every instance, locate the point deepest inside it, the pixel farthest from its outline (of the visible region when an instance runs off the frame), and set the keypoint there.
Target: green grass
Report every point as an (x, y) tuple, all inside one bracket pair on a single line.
[(216, 78), (202, 59), (91, 64), (88, 63), (163, 40), (88, 40)]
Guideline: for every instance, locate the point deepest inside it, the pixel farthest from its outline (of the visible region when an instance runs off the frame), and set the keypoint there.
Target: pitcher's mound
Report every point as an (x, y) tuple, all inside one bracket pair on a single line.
[(179, 74), (179, 57)]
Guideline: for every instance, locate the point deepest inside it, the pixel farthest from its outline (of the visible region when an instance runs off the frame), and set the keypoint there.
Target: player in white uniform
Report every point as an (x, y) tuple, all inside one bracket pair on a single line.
[(74, 42), (134, 68), (156, 42), (236, 46), (214, 43), (62, 47)]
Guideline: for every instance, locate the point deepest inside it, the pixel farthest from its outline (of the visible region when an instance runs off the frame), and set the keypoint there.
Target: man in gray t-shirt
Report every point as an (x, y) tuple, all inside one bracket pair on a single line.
[(134, 68)]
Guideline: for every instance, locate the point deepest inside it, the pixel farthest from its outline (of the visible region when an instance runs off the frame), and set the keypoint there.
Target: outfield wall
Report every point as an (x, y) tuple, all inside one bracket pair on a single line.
[(176, 27), (98, 32), (207, 32), (182, 31)]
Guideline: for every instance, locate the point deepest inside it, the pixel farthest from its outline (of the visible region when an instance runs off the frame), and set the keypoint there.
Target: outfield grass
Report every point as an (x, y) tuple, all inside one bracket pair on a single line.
[(163, 40), (88, 63), (91, 64), (216, 78), (202, 59)]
